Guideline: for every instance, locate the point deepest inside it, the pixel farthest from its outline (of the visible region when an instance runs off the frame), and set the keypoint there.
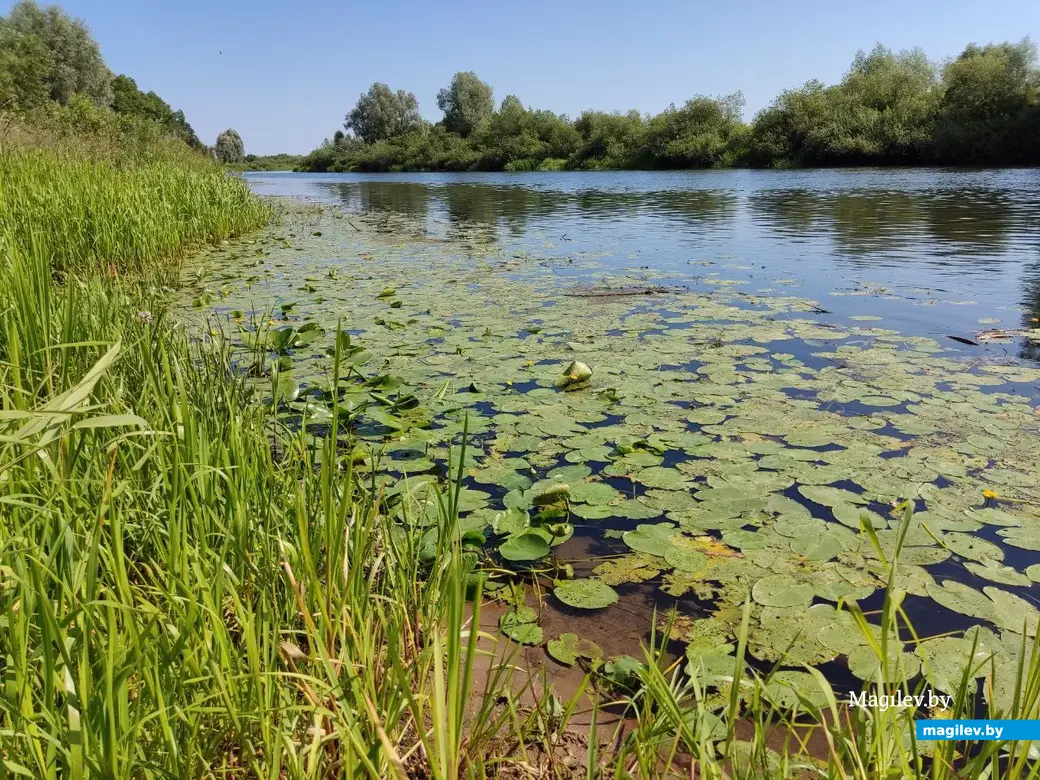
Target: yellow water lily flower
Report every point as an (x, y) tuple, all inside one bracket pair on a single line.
[(989, 494)]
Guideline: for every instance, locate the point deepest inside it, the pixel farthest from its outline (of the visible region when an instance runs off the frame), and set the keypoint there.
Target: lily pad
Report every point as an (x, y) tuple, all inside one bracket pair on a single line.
[(568, 648), (972, 547), (830, 496), (587, 593), (654, 539), (995, 572), (866, 665), (593, 493), (788, 689), (521, 625), (529, 546), (944, 660), (781, 590)]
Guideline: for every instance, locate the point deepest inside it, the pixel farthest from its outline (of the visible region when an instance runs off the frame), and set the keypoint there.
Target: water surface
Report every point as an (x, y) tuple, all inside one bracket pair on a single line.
[(790, 375), (952, 247)]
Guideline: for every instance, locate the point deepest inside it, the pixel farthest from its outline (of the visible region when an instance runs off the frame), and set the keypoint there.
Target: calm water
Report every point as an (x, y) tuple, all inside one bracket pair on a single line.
[(935, 252)]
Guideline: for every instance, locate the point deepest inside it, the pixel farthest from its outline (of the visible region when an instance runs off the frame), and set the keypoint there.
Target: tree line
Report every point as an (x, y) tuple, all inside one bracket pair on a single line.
[(49, 60), (890, 108)]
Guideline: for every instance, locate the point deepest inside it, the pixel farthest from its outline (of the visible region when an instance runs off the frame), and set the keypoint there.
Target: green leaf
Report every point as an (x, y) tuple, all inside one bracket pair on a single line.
[(654, 539), (521, 625), (781, 590), (528, 546), (589, 593), (569, 648)]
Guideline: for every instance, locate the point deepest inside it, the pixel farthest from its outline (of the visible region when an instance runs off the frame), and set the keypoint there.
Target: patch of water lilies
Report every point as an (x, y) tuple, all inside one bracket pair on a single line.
[(719, 445)]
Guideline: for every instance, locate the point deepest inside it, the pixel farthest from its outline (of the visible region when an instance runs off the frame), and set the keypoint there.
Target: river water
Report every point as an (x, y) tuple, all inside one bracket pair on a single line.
[(815, 353), (934, 251)]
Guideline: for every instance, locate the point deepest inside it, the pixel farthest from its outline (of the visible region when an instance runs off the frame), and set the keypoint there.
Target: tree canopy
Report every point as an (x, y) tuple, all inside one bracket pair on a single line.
[(889, 108), (128, 99), (229, 147), (467, 104), (49, 59), (381, 114), (59, 53)]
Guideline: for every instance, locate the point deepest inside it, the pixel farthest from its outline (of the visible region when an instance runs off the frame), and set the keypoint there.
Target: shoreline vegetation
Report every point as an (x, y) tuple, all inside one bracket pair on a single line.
[(981, 107), (190, 587)]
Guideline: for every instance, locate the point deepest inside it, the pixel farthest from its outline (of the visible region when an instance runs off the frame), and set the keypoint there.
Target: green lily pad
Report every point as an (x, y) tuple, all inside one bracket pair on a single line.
[(944, 660), (654, 539), (788, 689), (866, 665), (529, 546), (970, 546), (830, 496), (995, 572), (1026, 537), (568, 648), (961, 598), (593, 493), (709, 666), (685, 554), (661, 477), (781, 590), (1012, 612), (588, 593), (521, 625)]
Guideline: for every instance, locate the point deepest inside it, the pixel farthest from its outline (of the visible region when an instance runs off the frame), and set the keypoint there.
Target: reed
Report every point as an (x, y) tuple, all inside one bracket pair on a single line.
[(178, 598)]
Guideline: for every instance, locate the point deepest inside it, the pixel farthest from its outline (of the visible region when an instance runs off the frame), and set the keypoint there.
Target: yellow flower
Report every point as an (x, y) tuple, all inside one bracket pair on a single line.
[(988, 494), (529, 363)]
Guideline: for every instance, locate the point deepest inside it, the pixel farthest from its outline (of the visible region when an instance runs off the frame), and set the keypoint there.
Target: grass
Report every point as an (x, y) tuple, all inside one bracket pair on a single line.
[(178, 598)]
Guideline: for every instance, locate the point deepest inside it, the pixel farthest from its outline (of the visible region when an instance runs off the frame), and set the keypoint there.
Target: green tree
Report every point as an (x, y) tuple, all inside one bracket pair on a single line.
[(381, 114), (229, 147), (698, 135), (883, 111), (129, 100), (609, 140), (467, 103), (73, 63), (888, 102), (24, 69), (989, 108)]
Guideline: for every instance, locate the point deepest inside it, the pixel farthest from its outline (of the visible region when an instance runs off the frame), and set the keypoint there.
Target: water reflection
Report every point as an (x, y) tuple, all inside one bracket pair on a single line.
[(969, 235), (515, 208), (886, 223), (866, 224)]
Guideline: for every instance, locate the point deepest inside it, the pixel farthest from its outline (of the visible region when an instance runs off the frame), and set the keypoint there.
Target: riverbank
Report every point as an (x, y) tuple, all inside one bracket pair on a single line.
[(889, 108), (659, 481), (244, 500)]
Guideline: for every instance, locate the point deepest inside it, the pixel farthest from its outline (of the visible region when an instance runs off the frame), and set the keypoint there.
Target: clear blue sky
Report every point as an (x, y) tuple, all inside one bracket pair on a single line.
[(289, 71)]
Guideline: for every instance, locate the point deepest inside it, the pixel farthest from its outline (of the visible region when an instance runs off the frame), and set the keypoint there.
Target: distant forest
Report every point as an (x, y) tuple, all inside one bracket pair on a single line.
[(980, 108)]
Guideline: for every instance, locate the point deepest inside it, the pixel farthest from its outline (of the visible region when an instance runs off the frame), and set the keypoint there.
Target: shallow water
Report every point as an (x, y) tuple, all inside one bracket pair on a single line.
[(952, 247), (739, 417)]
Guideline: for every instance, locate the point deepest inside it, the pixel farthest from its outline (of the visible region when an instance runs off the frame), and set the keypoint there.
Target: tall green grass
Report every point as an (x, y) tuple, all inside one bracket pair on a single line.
[(88, 215), (178, 598)]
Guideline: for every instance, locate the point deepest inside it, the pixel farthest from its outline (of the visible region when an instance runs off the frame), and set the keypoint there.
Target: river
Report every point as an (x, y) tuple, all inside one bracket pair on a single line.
[(934, 251), (767, 364)]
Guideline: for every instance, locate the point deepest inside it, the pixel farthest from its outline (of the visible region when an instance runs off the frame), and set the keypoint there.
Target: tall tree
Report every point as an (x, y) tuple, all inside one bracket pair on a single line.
[(73, 63), (24, 69), (990, 108), (229, 147), (128, 99), (467, 103), (381, 113)]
